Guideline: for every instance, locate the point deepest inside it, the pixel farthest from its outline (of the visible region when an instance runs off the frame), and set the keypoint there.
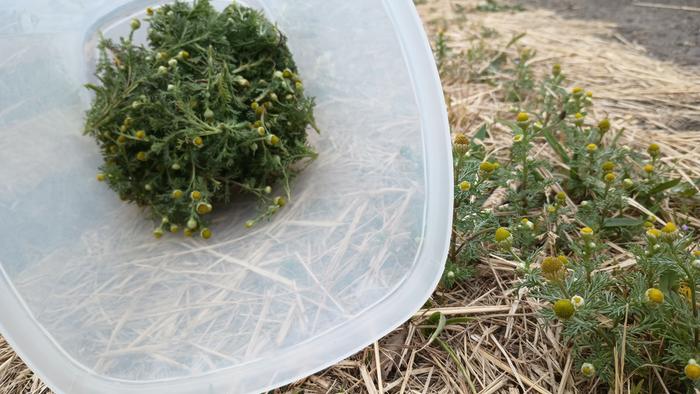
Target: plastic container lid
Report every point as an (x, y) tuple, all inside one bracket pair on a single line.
[(94, 304)]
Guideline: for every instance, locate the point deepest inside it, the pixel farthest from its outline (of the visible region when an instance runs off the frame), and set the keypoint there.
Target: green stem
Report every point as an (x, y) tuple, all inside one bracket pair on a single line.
[(587, 261), (603, 211), (469, 238), (693, 297), (526, 265), (560, 284), (453, 236), (524, 181), (696, 334), (457, 362)]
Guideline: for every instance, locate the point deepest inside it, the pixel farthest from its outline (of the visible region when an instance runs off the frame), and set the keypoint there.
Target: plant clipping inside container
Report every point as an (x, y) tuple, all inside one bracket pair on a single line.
[(213, 105)]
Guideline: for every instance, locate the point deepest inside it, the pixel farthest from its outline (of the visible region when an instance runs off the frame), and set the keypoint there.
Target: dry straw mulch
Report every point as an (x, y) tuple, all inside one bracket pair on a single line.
[(505, 348)]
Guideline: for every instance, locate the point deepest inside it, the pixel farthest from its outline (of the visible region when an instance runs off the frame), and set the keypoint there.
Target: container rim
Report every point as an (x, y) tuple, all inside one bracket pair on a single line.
[(63, 374)]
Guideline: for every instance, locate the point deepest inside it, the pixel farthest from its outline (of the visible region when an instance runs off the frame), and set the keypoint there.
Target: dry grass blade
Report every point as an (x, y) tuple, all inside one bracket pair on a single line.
[(669, 7), (15, 377)]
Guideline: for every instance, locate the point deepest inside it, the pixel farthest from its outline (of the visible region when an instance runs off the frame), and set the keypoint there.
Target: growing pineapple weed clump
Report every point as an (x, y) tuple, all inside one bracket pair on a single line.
[(564, 222), (211, 107)]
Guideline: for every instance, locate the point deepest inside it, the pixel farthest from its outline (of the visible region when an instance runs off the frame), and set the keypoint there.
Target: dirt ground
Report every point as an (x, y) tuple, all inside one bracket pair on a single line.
[(668, 34)]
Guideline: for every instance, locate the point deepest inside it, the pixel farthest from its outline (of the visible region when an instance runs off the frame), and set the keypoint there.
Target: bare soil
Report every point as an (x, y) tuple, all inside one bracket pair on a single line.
[(668, 34)]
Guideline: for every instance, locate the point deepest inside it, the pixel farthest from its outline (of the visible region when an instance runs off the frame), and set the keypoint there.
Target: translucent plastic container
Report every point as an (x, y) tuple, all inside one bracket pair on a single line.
[(94, 304)]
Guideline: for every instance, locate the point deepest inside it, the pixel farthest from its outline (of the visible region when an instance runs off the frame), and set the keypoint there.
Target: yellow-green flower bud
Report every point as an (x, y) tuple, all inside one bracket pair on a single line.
[(653, 150), (502, 235), (563, 309), (669, 232), (272, 139), (654, 295), (586, 232), (460, 138), (204, 208), (487, 167), (587, 370), (653, 235), (280, 201), (523, 119), (551, 265), (610, 177), (692, 370), (461, 143), (556, 69)]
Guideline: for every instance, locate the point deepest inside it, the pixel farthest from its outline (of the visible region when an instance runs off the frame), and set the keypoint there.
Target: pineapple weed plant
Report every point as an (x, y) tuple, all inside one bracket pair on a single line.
[(564, 223), (212, 106)]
